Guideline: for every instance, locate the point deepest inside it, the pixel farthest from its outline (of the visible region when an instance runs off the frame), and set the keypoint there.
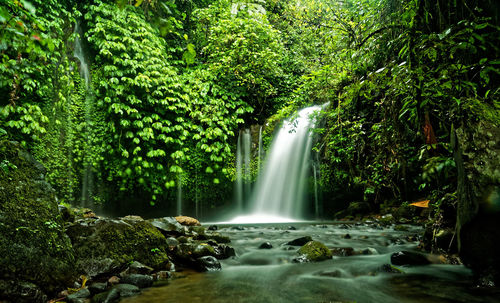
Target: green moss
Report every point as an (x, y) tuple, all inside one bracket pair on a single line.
[(315, 251), (120, 241), (33, 244)]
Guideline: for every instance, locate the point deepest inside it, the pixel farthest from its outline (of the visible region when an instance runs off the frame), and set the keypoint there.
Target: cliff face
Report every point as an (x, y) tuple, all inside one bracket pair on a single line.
[(37, 256), (477, 155)]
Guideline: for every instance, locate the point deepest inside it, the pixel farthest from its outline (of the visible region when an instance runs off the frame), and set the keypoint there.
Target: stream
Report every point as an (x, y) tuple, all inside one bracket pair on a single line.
[(270, 275)]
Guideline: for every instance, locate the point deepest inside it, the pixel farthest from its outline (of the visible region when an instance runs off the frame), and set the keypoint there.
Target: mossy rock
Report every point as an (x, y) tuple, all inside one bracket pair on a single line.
[(315, 251), (117, 242), (33, 245)]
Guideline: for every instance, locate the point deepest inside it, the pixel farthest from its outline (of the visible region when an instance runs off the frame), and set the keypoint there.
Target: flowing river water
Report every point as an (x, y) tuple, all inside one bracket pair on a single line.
[(270, 275)]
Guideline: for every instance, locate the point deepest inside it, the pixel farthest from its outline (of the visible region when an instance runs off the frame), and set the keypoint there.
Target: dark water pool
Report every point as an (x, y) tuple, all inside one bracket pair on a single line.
[(269, 275)]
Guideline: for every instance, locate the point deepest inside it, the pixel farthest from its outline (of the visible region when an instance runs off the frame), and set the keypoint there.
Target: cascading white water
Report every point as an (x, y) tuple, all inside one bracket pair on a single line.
[(279, 192), (259, 152), (179, 195), (87, 178), (242, 185)]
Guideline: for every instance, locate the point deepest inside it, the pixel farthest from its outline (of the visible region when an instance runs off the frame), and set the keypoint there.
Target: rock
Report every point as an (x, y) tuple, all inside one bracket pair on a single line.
[(132, 218), (237, 228), (21, 292), (408, 258), (300, 241), (369, 251), (163, 275), (388, 268), (203, 249), (187, 221), (223, 251), (346, 236), (116, 243), (67, 214), (333, 274), (172, 242), (33, 245), (114, 280), (343, 251), (208, 263), (117, 292), (139, 268), (141, 281), (98, 287), (127, 290), (266, 245), (107, 297), (315, 251), (291, 228), (168, 226), (78, 296), (212, 227), (218, 238)]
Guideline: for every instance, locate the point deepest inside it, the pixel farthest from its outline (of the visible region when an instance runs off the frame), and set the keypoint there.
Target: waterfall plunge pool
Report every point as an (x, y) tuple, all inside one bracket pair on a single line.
[(269, 275)]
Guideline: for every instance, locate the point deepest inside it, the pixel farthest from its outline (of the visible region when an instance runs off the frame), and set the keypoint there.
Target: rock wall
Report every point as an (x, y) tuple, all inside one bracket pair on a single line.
[(36, 255)]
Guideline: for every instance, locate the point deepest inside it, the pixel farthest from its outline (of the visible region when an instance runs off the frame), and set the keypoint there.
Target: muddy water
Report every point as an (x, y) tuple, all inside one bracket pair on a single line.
[(269, 275)]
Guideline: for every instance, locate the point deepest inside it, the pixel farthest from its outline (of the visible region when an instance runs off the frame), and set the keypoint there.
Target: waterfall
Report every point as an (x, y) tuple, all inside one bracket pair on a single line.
[(259, 152), (243, 173), (87, 178), (316, 200), (279, 193), (179, 194)]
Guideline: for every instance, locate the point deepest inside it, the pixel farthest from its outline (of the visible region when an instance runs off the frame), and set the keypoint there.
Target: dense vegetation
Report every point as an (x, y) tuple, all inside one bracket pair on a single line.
[(171, 82)]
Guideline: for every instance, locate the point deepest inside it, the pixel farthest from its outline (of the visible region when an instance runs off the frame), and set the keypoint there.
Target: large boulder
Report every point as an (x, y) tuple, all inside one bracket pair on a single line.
[(476, 148), (33, 246), (104, 246)]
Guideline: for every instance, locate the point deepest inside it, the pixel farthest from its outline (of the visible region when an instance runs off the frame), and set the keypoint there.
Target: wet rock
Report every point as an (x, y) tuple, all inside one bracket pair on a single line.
[(172, 242), (291, 228), (203, 249), (266, 245), (127, 290), (212, 227), (332, 274), (132, 218), (168, 226), (369, 251), (223, 251), (208, 263), (300, 241), (237, 228), (408, 258), (218, 238), (187, 221), (79, 296), (98, 287), (343, 251), (21, 292), (315, 251), (346, 236), (141, 281), (114, 280), (107, 297), (183, 239), (139, 268), (116, 243), (67, 214), (388, 268), (162, 275), (445, 239)]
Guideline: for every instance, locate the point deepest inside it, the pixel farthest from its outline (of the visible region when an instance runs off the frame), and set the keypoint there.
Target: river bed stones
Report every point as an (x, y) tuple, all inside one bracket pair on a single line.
[(409, 258)]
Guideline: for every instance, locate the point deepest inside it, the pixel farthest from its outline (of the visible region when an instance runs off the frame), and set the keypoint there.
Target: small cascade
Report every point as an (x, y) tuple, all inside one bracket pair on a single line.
[(316, 199), (87, 178), (243, 173), (238, 184), (179, 194), (279, 193), (247, 175), (259, 152)]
